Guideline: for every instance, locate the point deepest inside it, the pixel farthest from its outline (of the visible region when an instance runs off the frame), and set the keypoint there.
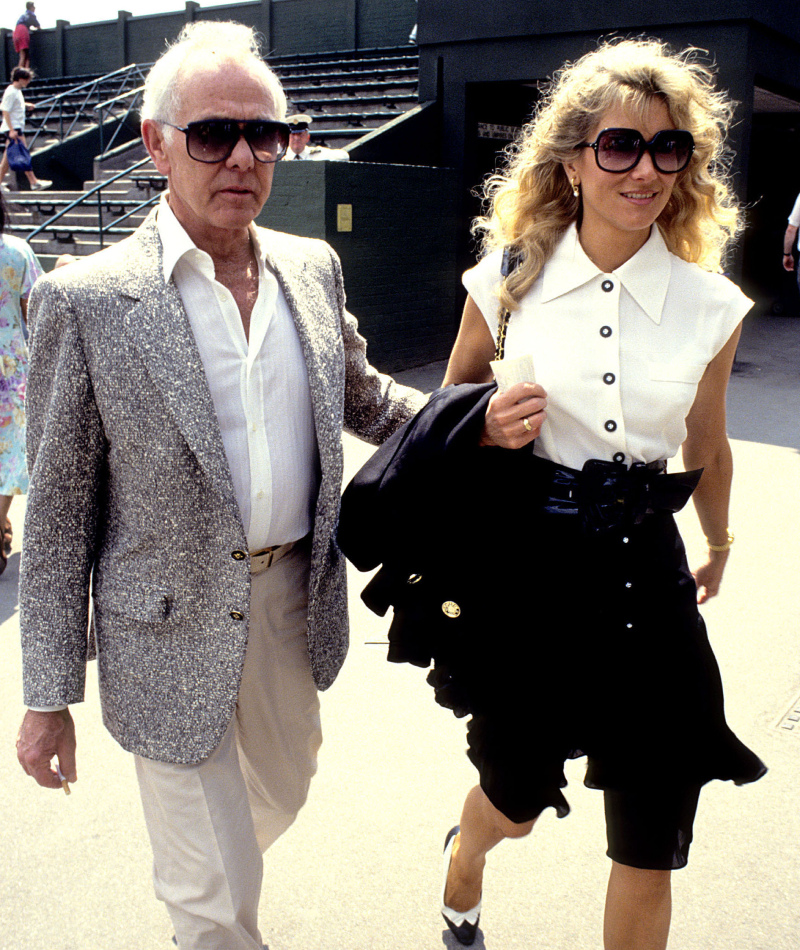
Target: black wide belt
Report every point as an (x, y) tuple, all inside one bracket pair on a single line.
[(609, 495)]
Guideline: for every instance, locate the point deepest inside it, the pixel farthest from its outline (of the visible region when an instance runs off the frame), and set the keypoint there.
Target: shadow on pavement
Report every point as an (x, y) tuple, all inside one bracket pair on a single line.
[(9, 588)]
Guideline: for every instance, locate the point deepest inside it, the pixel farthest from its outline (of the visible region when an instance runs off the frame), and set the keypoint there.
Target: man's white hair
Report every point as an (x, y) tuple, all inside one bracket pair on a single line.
[(199, 44)]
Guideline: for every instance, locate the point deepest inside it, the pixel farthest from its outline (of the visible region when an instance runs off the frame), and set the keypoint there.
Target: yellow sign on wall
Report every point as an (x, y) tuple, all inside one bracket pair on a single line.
[(344, 217)]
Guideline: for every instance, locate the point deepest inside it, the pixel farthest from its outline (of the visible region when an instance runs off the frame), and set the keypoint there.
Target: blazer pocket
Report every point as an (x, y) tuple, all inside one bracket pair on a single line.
[(132, 599), (680, 372)]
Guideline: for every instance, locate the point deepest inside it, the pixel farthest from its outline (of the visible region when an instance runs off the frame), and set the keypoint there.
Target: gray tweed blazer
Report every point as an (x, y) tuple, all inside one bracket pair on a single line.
[(131, 497)]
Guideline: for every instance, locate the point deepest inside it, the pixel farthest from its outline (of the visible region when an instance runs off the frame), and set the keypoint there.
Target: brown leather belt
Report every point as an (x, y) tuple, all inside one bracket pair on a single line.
[(261, 560)]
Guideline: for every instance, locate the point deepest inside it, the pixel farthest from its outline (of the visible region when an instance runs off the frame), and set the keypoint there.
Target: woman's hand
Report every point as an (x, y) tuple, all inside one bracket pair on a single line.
[(708, 576), (508, 412)]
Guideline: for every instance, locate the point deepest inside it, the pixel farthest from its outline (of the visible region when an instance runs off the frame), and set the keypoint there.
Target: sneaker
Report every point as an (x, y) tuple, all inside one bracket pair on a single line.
[(41, 184)]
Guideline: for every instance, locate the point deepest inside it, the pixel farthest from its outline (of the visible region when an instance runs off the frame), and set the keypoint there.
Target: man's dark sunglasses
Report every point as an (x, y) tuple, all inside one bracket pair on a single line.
[(620, 150), (213, 140)]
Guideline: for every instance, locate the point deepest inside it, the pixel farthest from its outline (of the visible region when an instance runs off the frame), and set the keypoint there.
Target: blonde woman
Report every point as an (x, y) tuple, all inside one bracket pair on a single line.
[(615, 214)]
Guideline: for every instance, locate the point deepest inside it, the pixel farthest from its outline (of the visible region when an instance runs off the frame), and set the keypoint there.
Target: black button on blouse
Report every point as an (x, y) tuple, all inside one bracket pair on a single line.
[(611, 426), (619, 456), (606, 331), (608, 286), (609, 378)]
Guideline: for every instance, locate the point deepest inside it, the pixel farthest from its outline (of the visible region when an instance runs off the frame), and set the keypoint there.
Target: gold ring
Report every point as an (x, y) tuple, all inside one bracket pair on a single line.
[(526, 424)]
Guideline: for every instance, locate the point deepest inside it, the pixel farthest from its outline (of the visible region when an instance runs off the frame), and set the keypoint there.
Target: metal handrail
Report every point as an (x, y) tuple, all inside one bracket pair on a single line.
[(109, 103), (122, 95), (124, 75), (96, 191)]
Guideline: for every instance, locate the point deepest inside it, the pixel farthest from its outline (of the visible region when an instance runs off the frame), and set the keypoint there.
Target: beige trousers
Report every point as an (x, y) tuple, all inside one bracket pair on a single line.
[(210, 823)]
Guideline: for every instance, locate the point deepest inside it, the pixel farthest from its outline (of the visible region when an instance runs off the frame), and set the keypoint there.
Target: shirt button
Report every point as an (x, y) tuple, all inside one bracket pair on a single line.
[(625, 540), (628, 584), (611, 426), (619, 456), (606, 331), (608, 286), (235, 615), (238, 555), (260, 494), (629, 626), (609, 378)]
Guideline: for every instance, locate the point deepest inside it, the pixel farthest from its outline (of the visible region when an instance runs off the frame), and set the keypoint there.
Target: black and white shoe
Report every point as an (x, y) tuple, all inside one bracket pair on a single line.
[(464, 924)]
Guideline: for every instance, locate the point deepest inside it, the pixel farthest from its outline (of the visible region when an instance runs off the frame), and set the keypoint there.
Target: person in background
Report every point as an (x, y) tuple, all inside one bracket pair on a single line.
[(22, 33), (300, 149), (13, 107), (19, 270), (604, 244), (790, 239)]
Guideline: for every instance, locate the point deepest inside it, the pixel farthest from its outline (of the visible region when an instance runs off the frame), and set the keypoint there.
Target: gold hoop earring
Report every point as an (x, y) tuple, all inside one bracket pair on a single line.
[(576, 188)]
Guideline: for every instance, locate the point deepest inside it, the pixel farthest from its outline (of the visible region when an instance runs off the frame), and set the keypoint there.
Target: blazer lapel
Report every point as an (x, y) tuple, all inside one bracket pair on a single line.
[(159, 329)]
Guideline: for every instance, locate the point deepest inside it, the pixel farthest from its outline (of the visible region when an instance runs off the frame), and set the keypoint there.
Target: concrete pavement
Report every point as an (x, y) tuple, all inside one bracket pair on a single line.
[(360, 870)]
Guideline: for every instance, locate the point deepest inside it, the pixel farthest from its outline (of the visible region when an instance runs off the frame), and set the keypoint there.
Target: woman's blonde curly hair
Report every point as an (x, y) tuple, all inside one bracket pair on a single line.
[(530, 204)]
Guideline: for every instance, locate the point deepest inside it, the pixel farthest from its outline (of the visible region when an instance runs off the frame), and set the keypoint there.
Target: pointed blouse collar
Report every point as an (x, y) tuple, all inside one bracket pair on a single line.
[(645, 275)]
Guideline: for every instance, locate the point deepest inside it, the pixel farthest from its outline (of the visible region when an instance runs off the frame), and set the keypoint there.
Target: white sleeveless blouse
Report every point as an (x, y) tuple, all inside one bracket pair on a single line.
[(620, 355)]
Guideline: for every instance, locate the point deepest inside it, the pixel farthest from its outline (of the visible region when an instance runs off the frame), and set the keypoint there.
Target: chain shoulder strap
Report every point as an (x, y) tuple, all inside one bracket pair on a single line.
[(510, 261), (503, 317)]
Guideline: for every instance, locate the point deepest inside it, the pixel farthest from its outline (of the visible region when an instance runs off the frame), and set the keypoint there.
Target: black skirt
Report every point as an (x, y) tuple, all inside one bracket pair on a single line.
[(590, 643)]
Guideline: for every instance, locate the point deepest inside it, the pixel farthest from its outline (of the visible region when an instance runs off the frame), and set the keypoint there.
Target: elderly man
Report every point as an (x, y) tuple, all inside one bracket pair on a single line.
[(300, 148), (186, 398)]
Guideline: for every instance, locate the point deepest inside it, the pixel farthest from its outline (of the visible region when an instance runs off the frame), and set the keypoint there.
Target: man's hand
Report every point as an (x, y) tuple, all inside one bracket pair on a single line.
[(13, 134), (43, 735)]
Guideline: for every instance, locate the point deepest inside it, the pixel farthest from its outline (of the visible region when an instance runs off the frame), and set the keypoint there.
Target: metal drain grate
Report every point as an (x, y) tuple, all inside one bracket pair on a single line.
[(790, 720)]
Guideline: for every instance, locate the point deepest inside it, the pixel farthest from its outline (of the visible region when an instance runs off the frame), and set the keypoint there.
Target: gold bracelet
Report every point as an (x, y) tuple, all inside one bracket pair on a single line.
[(722, 547)]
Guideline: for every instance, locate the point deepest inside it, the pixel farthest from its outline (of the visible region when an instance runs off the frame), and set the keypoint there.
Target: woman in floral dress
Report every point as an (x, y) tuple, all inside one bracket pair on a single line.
[(19, 269)]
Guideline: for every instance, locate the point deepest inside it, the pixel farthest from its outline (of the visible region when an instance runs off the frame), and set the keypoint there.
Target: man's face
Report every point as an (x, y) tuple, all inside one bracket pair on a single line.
[(299, 140), (215, 201)]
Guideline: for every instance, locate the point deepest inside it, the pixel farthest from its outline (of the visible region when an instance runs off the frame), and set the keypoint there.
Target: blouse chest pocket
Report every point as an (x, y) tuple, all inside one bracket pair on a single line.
[(676, 372)]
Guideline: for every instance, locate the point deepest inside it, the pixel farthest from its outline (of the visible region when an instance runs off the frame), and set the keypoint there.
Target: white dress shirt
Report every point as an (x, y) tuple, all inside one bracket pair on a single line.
[(259, 388), (620, 355)]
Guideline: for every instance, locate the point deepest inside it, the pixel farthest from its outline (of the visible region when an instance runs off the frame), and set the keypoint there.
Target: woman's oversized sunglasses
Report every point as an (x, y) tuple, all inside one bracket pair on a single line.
[(620, 150), (213, 140)]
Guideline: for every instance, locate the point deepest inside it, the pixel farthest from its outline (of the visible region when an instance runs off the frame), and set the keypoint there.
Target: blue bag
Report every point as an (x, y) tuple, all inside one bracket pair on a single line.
[(19, 158)]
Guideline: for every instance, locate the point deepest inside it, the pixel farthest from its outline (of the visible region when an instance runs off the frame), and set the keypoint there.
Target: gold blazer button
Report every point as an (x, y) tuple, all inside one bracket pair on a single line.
[(235, 615), (451, 609), (238, 555)]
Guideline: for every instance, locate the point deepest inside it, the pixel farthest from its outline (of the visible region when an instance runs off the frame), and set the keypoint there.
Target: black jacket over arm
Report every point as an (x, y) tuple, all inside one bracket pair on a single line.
[(430, 507)]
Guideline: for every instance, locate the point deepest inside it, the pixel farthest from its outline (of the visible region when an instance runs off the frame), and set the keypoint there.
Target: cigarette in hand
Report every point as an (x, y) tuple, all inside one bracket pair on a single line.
[(64, 782)]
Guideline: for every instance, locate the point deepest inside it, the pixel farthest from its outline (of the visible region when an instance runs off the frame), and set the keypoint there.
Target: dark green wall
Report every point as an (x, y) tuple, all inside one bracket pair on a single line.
[(288, 26), (399, 260)]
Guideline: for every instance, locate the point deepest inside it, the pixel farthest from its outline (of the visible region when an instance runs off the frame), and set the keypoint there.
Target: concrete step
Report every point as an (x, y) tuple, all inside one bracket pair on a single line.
[(79, 245), (83, 219)]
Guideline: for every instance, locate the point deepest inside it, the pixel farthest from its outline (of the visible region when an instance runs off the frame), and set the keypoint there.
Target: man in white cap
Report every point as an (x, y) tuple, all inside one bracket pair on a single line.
[(300, 149)]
